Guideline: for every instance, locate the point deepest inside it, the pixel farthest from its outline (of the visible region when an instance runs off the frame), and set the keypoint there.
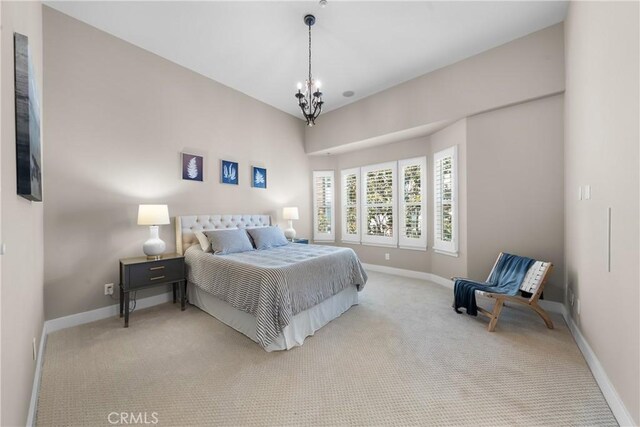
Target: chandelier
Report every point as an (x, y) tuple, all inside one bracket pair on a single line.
[(310, 101)]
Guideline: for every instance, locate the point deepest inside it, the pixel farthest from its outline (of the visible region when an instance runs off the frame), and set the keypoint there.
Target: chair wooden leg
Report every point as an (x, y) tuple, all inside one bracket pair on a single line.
[(543, 314), (497, 308)]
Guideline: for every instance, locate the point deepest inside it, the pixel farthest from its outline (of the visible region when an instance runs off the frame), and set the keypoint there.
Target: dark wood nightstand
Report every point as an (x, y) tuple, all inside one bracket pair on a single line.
[(302, 241), (140, 273)]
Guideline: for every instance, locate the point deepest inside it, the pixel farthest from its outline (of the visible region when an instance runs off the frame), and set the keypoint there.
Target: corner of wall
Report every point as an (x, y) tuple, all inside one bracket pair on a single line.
[(21, 223)]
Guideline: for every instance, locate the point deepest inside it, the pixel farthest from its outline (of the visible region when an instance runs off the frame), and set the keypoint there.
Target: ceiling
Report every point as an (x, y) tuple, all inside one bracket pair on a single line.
[(260, 48)]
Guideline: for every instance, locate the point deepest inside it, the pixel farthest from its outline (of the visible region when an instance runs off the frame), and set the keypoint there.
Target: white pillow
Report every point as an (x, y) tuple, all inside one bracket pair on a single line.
[(204, 240)]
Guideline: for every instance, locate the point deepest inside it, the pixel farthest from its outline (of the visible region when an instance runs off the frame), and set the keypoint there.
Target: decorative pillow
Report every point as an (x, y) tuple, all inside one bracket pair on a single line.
[(204, 240), (228, 241), (267, 237)]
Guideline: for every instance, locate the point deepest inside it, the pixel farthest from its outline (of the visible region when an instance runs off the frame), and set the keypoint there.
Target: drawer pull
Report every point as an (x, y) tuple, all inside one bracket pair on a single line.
[(157, 278), (157, 268)]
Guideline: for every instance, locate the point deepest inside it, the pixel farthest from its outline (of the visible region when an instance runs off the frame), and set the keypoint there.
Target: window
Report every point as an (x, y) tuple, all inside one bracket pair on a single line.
[(350, 209), (444, 201), (385, 204), (412, 203), (378, 215), (323, 201)]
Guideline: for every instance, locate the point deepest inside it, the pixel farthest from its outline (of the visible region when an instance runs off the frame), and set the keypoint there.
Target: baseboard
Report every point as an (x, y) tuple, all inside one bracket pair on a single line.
[(553, 307), (410, 274), (447, 283), (33, 403), (398, 271), (75, 320), (608, 390), (102, 313)]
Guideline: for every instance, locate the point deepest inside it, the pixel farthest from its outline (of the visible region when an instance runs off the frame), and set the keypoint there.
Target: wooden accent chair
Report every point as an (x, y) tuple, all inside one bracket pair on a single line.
[(533, 283)]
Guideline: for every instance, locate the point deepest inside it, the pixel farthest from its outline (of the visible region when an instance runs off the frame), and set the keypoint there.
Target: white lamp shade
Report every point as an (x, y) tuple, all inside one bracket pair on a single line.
[(290, 213), (153, 215)]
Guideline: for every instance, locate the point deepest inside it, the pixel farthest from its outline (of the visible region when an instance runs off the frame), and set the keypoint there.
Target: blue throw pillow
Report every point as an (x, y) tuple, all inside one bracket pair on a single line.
[(267, 237), (228, 241)]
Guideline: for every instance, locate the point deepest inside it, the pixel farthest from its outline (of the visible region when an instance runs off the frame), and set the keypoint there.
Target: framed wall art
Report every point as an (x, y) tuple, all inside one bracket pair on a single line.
[(259, 177), (192, 167), (27, 104), (229, 172)]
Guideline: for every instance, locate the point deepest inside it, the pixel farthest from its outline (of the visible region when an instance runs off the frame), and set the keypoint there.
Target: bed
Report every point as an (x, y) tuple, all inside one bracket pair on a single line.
[(277, 297)]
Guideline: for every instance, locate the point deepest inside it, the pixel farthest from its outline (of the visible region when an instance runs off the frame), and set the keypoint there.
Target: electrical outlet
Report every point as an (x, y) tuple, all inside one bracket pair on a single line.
[(386, 257), (571, 295), (108, 289), (34, 352), (587, 192)]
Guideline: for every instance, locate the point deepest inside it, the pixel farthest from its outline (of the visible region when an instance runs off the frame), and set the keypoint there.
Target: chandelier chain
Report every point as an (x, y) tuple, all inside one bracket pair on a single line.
[(309, 54), (310, 101)]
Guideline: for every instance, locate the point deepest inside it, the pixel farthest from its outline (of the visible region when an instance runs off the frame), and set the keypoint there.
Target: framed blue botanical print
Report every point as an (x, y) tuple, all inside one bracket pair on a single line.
[(229, 172), (259, 177)]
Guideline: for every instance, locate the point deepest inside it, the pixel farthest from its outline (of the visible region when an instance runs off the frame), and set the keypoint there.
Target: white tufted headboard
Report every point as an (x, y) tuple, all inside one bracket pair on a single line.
[(186, 225)]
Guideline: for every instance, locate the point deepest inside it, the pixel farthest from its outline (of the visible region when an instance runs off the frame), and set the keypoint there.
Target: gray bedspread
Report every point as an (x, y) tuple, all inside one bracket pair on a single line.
[(275, 284)]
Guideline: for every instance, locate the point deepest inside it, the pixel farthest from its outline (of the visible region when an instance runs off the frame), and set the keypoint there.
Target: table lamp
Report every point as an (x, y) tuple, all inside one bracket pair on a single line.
[(290, 214), (153, 216)]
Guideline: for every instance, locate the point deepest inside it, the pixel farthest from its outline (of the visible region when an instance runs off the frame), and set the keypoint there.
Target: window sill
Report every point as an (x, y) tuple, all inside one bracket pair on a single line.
[(447, 253), (379, 245), (350, 242), (414, 248), (324, 240)]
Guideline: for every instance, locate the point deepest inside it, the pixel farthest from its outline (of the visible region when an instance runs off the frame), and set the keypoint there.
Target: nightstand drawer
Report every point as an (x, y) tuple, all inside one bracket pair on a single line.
[(146, 274), (140, 273)]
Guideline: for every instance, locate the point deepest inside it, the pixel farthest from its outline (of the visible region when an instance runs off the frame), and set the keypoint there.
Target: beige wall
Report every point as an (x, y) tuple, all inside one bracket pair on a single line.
[(22, 229), (116, 119), (511, 190), (415, 260), (1, 120), (507, 93), (601, 150), (516, 187), (524, 69)]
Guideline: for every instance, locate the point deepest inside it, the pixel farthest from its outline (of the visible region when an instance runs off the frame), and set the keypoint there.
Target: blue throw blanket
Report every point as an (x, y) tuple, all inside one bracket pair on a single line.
[(505, 279)]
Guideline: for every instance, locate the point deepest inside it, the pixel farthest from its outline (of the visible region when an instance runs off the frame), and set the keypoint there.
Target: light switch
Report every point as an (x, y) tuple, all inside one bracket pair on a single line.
[(587, 192), (3, 248), (579, 192)]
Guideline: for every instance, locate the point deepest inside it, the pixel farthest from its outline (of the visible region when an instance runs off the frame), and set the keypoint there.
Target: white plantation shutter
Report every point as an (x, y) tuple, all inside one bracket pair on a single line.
[(412, 203), (350, 183), (378, 218), (445, 201), (323, 206)]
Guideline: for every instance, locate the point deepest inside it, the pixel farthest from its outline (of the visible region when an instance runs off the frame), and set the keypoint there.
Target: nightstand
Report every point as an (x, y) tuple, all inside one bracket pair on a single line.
[(302, 241), (141, 273)]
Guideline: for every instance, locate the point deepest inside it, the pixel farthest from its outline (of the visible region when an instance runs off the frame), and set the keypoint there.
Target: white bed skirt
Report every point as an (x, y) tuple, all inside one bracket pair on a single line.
[(302, 325)]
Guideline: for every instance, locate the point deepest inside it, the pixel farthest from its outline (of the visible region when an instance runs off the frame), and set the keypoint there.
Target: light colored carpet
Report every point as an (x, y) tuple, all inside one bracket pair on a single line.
[(402, 357)]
